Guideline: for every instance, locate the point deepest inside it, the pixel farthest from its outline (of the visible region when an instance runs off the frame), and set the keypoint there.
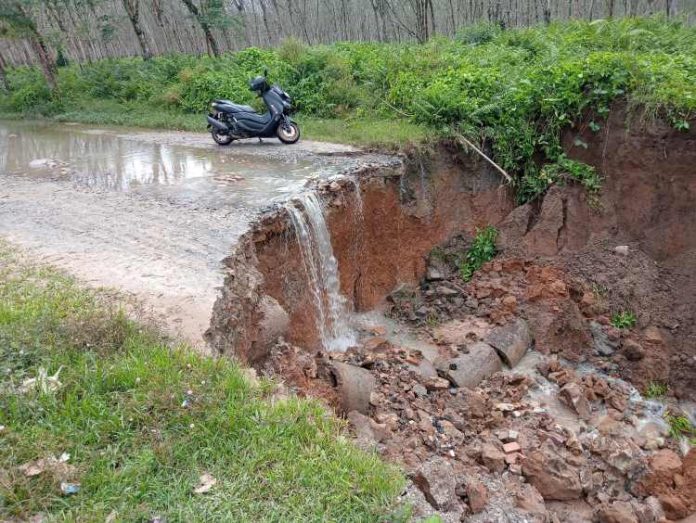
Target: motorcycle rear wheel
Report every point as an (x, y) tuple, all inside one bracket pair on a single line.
[(220, 138), (288, 133)]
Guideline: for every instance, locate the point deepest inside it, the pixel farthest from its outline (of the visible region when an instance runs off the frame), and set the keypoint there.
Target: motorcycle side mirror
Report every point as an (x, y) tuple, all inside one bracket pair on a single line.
[(265, 72)]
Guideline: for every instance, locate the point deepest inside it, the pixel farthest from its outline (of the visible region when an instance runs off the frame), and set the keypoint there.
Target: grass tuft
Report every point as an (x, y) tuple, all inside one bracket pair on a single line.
[(656, 390)]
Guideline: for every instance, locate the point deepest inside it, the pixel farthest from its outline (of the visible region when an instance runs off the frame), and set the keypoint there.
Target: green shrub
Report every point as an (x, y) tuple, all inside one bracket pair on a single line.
[(624, 320), (478, 33), (482, 250)]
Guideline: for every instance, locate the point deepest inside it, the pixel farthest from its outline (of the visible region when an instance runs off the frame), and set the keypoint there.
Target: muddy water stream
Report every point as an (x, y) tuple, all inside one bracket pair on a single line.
[(151, 214)]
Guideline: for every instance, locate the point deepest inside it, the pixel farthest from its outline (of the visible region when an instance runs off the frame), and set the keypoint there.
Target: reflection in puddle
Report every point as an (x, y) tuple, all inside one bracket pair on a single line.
[(102, 161)]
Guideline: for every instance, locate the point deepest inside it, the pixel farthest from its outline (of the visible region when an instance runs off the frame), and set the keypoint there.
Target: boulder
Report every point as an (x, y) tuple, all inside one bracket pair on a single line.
[(571, 394), (603, 345), (513, 227), (633, 350), (274, 321), (353, 384), (436, 479), (468, 370), (511, 341), (552, 475)]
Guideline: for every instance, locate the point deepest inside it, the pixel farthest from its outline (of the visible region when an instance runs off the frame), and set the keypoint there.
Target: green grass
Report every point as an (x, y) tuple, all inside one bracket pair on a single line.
[(515, 91), (656, 389), (481, 251), (681, 426), (624, 320), (136, 450)]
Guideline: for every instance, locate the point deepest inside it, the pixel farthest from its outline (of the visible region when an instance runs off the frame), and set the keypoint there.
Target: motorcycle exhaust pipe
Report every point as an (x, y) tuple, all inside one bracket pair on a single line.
[(218, 124)]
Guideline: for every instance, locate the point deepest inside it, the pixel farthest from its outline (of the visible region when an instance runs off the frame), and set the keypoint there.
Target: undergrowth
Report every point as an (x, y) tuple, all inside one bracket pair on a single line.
[(482, 250), (140, 421), (624, 320), (516, 91), (681, 426), (656, 390)]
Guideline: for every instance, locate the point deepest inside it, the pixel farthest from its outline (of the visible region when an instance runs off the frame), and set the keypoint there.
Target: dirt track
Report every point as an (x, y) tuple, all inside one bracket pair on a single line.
[(151, 214)]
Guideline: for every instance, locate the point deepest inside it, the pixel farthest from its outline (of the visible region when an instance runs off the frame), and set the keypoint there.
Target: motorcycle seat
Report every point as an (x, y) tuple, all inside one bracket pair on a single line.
[(254, 118), (228, 106)]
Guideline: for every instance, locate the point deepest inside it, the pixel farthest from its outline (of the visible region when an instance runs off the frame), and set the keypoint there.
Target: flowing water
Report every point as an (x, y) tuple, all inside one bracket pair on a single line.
[(321, 268)]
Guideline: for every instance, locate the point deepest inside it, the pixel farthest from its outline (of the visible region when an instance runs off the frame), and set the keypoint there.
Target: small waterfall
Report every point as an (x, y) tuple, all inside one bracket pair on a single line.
[(322, 272), (358, 200)]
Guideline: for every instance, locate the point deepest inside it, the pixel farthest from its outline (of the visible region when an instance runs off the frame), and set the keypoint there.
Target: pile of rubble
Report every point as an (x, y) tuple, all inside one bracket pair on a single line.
[(511, 408)]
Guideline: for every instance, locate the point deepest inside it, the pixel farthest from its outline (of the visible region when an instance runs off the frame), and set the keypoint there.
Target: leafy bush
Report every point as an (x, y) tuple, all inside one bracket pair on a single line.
[(624, 320), (482, 250)]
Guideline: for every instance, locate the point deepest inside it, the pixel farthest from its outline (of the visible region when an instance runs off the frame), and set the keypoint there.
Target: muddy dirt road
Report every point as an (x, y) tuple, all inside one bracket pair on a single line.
[(149, 213)]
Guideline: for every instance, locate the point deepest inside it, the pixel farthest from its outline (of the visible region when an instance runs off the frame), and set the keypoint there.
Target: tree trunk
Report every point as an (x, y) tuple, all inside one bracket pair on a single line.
[(133, 10), (211, 43), (4, 84), (48, 66), (611, 8), (264, 17), (547, 12)]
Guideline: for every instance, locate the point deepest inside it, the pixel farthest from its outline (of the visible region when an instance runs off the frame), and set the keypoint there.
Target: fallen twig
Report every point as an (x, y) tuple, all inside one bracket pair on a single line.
[(498, 167)]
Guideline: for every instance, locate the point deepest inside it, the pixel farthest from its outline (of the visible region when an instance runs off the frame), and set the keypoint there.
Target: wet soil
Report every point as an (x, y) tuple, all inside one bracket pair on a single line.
[(151, 214)]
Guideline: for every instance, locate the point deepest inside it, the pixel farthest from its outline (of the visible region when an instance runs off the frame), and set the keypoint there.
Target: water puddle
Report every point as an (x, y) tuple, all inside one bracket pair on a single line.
[(99, 160)]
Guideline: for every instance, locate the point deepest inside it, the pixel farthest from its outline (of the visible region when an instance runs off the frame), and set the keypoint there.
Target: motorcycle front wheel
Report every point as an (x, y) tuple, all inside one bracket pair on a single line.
[(220, 138), (288, 132)]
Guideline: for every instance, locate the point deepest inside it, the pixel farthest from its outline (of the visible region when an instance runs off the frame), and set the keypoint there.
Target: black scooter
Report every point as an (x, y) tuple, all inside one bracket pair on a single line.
[(229, 121)]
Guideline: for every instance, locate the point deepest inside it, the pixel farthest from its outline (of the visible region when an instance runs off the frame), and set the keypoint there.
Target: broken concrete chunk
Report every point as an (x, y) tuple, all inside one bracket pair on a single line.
[(437, 480), (511, 341), (354, 385), (468, 370)]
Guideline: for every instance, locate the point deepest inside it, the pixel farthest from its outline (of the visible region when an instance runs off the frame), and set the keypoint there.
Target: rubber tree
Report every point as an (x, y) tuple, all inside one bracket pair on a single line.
[(132, 8), (16, 21), (4, 84), (204, 15)]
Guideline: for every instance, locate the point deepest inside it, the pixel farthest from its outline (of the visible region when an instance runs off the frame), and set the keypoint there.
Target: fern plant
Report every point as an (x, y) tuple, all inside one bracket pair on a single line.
[(482, 250)]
